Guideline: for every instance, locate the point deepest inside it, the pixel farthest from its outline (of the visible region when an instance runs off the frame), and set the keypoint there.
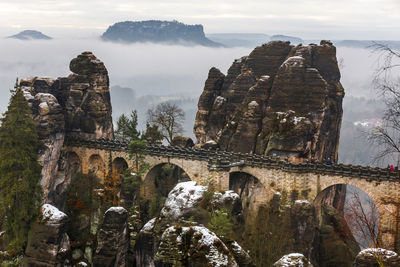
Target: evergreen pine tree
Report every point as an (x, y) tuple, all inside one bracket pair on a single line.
[(127, 127), (152, 135), (20, 192)]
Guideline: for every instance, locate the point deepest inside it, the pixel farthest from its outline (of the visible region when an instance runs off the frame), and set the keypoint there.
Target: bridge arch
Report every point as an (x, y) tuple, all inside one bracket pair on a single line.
[(355, 207), (96, 166), (119, 165), (161, 178), (249, 188), (74, 163)]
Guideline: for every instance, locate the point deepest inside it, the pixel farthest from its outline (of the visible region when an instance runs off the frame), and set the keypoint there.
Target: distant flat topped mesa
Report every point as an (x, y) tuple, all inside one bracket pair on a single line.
[(157, 31), (30, 35)]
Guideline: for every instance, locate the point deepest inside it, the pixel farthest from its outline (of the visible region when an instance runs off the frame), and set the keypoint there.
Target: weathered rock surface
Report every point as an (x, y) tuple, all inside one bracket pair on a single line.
[(369, 258), (302, 214), (113, 242), (293, 260), (334, 242), (182, 141), (200, 247), (48, 243), (281, 100), (76, 106), (177, 236)]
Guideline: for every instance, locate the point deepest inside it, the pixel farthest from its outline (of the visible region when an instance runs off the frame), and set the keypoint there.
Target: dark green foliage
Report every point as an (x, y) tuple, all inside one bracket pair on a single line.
[(127, 127), (83, 201), (221, 224), (20, 192), (152, 135), (208, 196)]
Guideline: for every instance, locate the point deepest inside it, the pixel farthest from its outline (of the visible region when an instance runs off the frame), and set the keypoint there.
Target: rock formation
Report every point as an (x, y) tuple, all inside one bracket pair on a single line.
[(293, 260), (112, 242), (178, 236), (30, 35), (280, 100), (156, 31), (369, 258), (48, 243), (76, 106)]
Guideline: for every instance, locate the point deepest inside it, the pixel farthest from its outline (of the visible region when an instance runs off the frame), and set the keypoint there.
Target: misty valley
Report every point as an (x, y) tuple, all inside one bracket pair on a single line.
[(155, 144)]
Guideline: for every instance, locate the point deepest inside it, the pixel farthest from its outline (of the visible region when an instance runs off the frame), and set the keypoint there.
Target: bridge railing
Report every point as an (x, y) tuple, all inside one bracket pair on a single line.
[(224, 159)]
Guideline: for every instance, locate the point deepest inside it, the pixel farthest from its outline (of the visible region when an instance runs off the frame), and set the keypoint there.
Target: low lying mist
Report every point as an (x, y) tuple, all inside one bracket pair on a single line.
[(152, 73)]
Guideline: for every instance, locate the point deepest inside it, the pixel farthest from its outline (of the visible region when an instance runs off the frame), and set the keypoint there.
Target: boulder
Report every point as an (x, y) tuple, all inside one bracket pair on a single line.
[(112, 240), (178, 235), (192, 246), (369, 258), (280, 99), (293, 260), (48, 243)]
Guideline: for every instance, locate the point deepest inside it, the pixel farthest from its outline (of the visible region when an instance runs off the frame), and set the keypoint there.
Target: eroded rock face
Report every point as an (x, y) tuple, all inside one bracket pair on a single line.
[(113, 241), (178, 237), (78, 106), (281, 100), (369, 258), (201, 247), (49, 244)]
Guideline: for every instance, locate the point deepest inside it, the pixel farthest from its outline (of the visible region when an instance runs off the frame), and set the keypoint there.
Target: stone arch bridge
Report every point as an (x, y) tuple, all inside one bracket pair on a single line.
[(276, 175)]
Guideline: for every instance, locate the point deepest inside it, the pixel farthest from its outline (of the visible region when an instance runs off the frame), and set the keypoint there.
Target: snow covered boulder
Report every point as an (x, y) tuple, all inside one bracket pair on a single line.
[(196, 245), (177, 236), (369, 258), (48, 242), (293, 260), (113, 239), (182, 200)]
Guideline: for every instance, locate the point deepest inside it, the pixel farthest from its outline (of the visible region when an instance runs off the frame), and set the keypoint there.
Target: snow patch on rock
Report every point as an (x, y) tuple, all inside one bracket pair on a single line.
[(384, 253), (148, 227), (184, 196), (207, 241), (52, 214), (293, 260), (119, 210)]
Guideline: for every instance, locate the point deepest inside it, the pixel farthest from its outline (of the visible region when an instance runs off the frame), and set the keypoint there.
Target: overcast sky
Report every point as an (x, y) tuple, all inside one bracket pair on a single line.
[(309, 19)]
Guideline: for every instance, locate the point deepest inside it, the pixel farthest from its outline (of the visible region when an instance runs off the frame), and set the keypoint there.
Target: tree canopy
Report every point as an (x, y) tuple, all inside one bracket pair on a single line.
[(20, 172)]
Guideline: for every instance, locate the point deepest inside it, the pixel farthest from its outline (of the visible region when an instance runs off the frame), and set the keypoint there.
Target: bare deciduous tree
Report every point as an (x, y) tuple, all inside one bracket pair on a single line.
[(362, 217), (387, 82), (169, 118)]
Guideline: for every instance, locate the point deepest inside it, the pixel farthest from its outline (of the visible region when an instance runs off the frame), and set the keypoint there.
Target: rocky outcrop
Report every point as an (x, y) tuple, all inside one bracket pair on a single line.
[(371, 256), (182, 141), (156, 31), (178, 236), (334, 244), (200, 247), (48, 243), (76, 106), (303, 223), (280, 100), (112, 241), (293, 260)]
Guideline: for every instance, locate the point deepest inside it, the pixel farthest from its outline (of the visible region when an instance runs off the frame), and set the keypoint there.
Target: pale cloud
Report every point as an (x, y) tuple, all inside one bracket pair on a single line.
[(360, 19)]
